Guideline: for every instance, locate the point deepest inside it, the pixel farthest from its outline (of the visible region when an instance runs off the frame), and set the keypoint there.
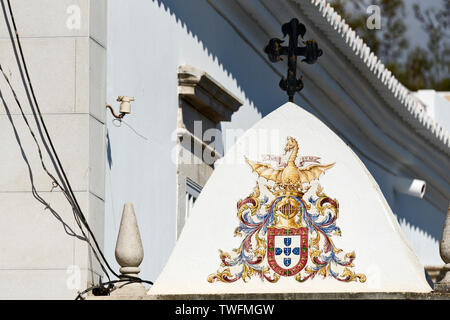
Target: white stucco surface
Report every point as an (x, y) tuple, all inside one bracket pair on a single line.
[(368, 225)]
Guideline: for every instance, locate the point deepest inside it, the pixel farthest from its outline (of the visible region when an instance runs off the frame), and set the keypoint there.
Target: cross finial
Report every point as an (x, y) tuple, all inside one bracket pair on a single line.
[(275, 50)]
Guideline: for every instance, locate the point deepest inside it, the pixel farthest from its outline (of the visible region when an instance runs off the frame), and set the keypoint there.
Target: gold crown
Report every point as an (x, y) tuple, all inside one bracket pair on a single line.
[(287, 189)]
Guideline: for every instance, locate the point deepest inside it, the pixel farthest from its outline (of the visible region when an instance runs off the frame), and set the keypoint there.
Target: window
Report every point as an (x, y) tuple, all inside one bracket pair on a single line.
[(203, 104), (192, 192)]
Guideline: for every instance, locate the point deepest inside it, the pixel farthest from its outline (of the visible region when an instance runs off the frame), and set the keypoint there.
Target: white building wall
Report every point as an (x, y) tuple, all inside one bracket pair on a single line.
[(147, 41), (38, 260), (438, 107)]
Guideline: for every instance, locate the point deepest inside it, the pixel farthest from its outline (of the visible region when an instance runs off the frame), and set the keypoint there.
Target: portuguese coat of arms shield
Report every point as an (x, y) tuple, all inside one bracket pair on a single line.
[(287, 234), (287, 250)]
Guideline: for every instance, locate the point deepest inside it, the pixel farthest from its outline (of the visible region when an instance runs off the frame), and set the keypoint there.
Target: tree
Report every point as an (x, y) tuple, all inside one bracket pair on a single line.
[(436, 24), (418, 67)]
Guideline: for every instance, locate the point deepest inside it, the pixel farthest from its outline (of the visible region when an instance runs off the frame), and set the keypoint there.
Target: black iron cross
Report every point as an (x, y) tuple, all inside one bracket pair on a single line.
[(310, 51)]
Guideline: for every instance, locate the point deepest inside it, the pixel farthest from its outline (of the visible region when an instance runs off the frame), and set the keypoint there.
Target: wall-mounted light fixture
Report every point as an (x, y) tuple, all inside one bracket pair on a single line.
[(125, 106), (412, 187)]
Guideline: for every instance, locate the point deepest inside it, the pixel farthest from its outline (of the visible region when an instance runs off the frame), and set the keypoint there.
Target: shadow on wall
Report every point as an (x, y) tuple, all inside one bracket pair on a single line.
[(259, 83), (67, 228), (421, 221), (108, 150), (414, 212), (254, 77)]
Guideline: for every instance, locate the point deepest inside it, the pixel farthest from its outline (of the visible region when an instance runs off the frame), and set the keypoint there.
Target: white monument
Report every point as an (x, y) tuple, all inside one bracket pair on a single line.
[(291, 209)]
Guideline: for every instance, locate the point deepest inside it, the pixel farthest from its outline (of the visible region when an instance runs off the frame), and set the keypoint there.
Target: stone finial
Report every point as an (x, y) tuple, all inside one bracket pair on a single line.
[(444, 284), (129, 252)]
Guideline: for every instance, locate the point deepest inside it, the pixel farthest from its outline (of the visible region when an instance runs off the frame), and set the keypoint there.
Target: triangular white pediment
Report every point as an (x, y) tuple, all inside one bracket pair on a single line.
[(383, 260)]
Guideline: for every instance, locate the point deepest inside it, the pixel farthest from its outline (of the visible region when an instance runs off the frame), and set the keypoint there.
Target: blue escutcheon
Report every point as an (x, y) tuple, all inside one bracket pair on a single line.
[(287, 262), (296, 251), (287, 242), (278, 251), (287, 251)]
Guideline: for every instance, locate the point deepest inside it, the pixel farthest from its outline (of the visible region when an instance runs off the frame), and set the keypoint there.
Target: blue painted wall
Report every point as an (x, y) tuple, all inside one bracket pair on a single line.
[(147, 41)]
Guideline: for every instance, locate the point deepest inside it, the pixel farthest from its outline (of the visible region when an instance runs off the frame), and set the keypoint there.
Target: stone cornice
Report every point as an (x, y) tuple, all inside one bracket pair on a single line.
[(206, 94)]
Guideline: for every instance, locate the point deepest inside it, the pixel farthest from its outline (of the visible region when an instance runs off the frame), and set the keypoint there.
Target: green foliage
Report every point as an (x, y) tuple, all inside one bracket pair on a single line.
[(419, 67)]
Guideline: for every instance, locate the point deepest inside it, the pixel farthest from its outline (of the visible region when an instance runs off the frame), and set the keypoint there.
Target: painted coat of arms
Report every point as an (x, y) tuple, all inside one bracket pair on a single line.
[(290, 234)]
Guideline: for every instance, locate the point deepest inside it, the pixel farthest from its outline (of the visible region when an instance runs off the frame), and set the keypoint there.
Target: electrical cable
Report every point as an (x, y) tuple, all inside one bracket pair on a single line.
[(120, 121), (54, 182), (64, 184), (104, 291), (65, 179)]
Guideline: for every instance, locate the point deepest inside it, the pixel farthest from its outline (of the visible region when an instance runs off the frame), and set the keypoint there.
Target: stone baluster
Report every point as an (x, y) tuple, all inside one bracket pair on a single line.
[(444, 284), (129, 253)]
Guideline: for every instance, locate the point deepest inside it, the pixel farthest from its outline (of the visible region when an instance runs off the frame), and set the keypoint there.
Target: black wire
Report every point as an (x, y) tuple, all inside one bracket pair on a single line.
[(34, 192), (36, 195), (80, 295), (64, 184), (66, 187), (109, 289), (65, 179)]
